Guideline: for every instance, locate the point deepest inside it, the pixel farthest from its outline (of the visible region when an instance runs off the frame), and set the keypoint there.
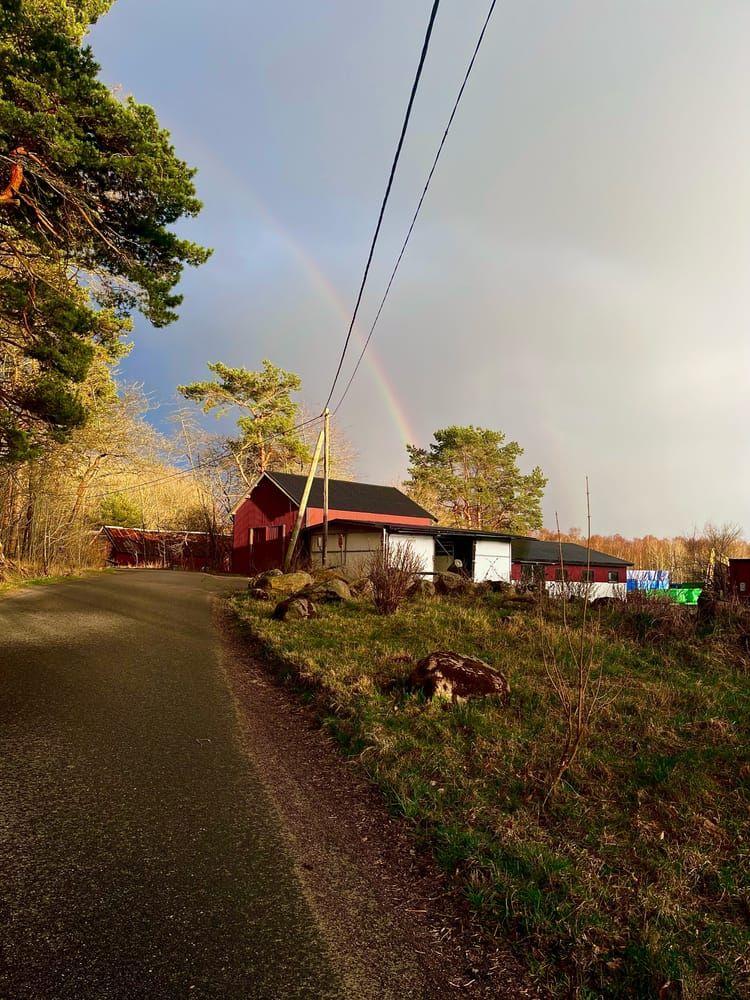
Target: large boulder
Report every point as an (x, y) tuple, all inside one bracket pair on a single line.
[(345, 573), (452, 583), (286, 583), (421, 588), (328, 591), (457, 677), (295, 608)]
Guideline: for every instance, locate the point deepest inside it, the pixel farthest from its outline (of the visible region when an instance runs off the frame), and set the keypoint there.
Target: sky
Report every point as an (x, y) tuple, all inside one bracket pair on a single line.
[(579, 277)]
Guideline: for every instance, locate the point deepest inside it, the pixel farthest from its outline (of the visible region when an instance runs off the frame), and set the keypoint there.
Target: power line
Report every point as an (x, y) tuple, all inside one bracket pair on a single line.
[(412, 95), (419, 203)]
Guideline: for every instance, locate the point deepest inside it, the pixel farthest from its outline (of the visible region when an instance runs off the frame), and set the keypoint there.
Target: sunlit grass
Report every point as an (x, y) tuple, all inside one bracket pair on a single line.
[(639, 871)]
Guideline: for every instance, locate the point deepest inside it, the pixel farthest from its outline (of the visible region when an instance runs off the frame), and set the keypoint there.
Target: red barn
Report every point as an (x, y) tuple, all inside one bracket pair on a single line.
[(264, 520), (192, 550)]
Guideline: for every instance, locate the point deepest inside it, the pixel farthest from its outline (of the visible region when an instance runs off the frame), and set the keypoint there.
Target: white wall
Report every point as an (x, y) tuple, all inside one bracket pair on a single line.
[(358, 547), (423, 546), (491, 560), (594, 590)]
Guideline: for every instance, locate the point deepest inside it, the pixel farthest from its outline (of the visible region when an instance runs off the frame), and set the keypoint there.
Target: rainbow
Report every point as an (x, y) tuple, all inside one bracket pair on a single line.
[(326, 290)]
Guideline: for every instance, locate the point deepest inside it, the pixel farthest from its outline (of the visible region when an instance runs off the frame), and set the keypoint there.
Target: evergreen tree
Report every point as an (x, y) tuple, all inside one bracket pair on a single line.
[(268, 438), (89, 186), (470, 478)]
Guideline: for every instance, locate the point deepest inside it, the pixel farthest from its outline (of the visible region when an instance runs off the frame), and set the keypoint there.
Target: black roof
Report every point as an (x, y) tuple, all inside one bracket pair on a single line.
[(365, 498), (531, 550)]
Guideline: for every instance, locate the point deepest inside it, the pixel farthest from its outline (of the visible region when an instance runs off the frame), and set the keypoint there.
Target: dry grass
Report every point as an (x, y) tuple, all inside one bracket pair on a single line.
[(638, 871)]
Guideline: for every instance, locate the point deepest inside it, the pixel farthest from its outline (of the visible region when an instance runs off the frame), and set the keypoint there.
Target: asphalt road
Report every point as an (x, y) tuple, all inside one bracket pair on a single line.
[(139, 856)]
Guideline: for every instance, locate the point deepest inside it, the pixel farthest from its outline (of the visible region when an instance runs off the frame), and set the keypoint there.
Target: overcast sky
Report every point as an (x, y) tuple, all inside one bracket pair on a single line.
[(579, 277)]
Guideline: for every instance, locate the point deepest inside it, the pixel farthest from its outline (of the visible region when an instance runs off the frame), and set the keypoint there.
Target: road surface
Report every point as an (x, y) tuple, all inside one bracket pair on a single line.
[(139, 855)]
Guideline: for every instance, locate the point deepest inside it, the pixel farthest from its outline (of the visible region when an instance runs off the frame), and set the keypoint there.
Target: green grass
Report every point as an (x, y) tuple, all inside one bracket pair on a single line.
[(639, 870)]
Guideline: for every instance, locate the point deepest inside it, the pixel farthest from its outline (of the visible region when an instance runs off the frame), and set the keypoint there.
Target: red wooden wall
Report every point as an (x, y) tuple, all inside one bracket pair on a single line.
[(575, 573), (739, 578)]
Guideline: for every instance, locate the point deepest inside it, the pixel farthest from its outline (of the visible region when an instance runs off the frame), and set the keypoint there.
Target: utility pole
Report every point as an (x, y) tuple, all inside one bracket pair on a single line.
[(326, 474), (303, 503)]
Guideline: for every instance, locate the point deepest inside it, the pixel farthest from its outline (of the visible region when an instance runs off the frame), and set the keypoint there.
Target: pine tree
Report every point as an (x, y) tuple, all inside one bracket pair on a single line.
[(89, 187), (470, 478), (268, 438)]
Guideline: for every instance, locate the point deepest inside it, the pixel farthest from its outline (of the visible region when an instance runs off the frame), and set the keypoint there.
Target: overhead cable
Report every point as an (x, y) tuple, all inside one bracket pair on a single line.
[(412, 95), (419, 203)]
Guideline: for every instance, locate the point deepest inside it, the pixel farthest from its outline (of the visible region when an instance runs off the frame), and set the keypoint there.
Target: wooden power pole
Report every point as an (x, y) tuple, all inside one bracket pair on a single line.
[(326, 474), (303, 503)]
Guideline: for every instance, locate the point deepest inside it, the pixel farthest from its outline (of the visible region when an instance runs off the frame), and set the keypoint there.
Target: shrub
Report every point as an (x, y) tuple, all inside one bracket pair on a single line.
[(652, 619), (392, 570)]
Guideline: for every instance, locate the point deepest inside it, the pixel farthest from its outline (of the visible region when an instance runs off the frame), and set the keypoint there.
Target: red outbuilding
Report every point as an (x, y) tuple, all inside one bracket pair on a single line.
[(535, 560), (191, 550), (365, 517), (264, 520), (739, 578)]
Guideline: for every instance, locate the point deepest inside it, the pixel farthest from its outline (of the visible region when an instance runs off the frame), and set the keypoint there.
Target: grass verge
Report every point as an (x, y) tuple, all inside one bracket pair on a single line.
[(638, 872), (17, 581)]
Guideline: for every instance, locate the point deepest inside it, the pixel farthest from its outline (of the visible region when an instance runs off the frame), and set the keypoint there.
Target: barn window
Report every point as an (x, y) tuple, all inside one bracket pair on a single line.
[(260, 534), (561, 574), (613, 576), (587, 575)]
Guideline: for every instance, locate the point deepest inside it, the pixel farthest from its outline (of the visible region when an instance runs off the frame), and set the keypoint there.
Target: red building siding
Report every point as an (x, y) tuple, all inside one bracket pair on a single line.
[(268, 512), (265, 520), (575, 572), (739, 578)]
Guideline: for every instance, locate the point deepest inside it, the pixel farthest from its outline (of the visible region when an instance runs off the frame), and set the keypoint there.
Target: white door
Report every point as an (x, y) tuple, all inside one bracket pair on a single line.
[(491, 560), (423, 546)]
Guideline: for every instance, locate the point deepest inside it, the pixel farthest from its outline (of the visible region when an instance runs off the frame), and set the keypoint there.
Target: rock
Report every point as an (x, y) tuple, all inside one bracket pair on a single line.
[(258, 593), (295, 608), (452, 583), (457, 677), (346, 573), (421, 588), (328, 591), (286, 583)]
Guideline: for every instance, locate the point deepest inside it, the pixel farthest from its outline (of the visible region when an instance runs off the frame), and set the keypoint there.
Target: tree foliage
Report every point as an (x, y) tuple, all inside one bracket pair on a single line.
[(268, 437), (469, 477), (89, 188), (688, 558)]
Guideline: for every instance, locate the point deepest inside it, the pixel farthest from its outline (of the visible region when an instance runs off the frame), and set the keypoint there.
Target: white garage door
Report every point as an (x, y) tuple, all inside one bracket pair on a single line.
[(491, 560), (422, 545)]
